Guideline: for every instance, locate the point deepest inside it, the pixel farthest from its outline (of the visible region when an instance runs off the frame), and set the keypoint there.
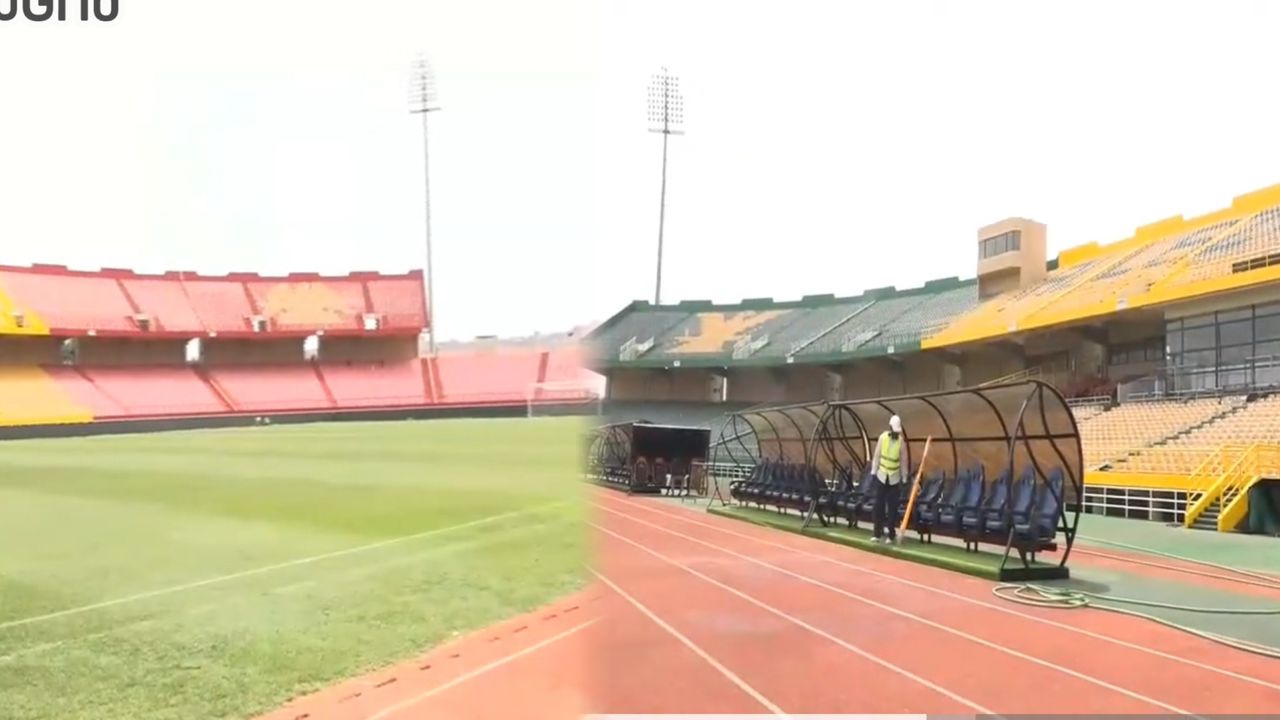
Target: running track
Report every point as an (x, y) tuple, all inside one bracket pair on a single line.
[(693, 613)]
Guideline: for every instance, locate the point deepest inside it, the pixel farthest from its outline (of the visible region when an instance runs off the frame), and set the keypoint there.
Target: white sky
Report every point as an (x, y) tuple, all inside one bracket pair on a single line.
[(831, 146)]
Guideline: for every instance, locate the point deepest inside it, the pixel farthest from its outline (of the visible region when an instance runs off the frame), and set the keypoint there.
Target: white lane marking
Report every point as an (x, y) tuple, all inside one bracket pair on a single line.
[(912, 616), (797, 621), (387, 711), (675, 515), (267, 568), (732, 677)]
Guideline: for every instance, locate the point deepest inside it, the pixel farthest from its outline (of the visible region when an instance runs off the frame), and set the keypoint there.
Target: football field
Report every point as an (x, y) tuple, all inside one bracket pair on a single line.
[(217, 573)]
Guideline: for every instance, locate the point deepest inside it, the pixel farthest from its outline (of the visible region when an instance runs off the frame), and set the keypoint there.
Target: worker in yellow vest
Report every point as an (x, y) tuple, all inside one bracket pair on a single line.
[(888, 466)]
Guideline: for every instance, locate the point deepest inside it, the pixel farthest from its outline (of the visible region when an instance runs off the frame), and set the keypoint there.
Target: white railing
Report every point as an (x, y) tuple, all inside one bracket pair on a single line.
[(857, 340), (801, 345), (633, 349), (1168, 506), (747, 346)]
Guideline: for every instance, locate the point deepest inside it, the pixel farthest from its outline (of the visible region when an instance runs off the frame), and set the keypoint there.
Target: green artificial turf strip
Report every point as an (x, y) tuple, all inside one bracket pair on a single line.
[(1238, 550), (939, 553), (89, 520)]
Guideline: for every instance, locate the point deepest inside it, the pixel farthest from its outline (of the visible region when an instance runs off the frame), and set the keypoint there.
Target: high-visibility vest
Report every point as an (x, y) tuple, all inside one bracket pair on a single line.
[(890, 453)]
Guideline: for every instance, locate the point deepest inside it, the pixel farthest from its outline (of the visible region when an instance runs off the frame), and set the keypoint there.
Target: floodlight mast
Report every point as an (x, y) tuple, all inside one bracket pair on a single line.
[(666, 116), (422, 101)]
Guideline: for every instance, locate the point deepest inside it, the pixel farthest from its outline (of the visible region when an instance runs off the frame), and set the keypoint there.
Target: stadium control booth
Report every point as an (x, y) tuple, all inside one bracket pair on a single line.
[(644, 457)]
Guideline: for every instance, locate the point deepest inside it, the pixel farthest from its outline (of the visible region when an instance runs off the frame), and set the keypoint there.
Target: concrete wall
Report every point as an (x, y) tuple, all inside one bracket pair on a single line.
[(16, 350), (341, 349), (677, 385), (122, 352), (985, 364), (252, 352)]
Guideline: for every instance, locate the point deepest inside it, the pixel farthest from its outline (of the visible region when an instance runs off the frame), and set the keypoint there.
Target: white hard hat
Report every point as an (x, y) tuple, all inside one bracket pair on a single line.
[(895, 423)]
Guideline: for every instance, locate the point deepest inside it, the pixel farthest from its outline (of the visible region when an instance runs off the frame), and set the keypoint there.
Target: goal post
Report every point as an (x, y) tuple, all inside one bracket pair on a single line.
[(584, 396)]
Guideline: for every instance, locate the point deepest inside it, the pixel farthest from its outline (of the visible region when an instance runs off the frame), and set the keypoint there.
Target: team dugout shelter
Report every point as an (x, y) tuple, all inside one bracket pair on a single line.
[(645, 457), (1003, 466)]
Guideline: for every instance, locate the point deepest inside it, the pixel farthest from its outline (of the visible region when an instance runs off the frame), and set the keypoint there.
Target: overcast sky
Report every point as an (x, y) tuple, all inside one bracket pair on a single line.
[(831, 146)]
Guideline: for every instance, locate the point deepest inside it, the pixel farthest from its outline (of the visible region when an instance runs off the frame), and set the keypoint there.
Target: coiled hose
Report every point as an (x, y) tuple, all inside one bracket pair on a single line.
[(1070, 599)]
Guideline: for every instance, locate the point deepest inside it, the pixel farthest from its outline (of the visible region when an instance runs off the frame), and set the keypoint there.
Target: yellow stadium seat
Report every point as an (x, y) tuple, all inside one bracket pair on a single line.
[(1114, 435), (28, 396), (1257, 422)]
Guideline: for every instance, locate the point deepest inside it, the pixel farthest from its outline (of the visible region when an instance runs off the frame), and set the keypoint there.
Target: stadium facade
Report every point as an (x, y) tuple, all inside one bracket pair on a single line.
[(1168, 341)]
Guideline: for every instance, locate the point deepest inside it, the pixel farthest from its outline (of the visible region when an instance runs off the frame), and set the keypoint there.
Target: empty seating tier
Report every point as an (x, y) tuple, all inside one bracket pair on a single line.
[(1255, 422), (378, 384), (1129, 427), (30, 396), (119, 302), (271, 388), (510, 377)]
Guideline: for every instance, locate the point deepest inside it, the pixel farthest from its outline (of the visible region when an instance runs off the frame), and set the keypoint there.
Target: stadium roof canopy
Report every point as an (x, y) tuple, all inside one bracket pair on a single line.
[(1162, 263), (817, 328)]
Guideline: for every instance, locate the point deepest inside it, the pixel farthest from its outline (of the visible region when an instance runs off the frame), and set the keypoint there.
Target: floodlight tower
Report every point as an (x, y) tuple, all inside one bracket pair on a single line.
[(666, 116), (422, 101)]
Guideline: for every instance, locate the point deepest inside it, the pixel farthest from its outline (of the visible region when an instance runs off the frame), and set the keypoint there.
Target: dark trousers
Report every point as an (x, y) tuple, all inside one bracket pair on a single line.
[(886, 509)]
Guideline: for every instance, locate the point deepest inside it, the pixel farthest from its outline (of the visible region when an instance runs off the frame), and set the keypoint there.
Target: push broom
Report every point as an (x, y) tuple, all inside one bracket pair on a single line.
[(915, 490)]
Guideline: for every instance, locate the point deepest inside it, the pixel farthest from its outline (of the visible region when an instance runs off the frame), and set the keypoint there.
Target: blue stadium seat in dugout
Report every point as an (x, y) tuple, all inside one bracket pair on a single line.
[(866, 500), (973, 520), (966, 495), (931, 488), (831, 502), (1042, 524), (948, 495), (1021, 495), (753, 489)]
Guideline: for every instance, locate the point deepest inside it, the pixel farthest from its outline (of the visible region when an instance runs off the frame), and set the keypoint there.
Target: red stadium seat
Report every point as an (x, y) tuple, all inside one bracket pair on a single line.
[(272, 387), (376, 384), (157, 391), (69, 301)]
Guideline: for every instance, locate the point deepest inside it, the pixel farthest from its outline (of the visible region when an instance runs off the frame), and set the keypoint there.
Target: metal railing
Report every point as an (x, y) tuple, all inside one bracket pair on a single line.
[(1225, 476)]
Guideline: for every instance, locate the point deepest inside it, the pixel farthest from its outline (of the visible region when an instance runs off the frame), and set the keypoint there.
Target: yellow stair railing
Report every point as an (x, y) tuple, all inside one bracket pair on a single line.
[(1225, 477), (1210, 470), (1263, 461)]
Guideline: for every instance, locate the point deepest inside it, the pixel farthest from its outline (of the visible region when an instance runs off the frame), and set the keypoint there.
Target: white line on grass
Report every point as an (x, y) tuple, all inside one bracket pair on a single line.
[(676, 515), (268, 568), (387, 711), (340, 578), (912, 616), (731, 675), (897, 669)]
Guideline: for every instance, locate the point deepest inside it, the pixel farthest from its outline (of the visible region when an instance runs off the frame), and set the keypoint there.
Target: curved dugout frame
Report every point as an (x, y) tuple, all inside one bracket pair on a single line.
[(609, 450), (1009, 427), (781, 432)]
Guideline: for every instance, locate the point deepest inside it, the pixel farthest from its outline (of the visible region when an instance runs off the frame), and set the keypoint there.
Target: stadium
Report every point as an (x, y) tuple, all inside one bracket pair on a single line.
[(1045, 484), (207, 511), (1096, 429), (252, 496)]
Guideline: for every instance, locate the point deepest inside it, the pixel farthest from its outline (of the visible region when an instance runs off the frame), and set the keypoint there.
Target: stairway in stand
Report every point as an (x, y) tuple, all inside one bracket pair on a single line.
[(1208, 520)]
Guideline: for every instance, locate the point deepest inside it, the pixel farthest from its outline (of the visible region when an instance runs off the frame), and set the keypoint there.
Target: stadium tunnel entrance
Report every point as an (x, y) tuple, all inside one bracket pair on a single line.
[(1004, 463)]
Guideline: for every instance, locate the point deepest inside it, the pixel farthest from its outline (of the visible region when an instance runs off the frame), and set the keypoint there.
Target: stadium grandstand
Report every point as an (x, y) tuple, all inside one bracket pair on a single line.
[(114, 346), (1167, 344)]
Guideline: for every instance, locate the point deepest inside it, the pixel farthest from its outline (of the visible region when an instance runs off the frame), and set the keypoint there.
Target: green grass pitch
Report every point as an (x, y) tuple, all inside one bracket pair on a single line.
[(217, 573)]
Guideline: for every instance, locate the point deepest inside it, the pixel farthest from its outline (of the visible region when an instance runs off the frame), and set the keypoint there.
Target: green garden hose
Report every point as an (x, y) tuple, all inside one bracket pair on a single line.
[(1069, 599)]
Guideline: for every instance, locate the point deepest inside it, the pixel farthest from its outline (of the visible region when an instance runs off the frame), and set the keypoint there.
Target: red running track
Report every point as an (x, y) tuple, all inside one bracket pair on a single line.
[(814, 627)]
